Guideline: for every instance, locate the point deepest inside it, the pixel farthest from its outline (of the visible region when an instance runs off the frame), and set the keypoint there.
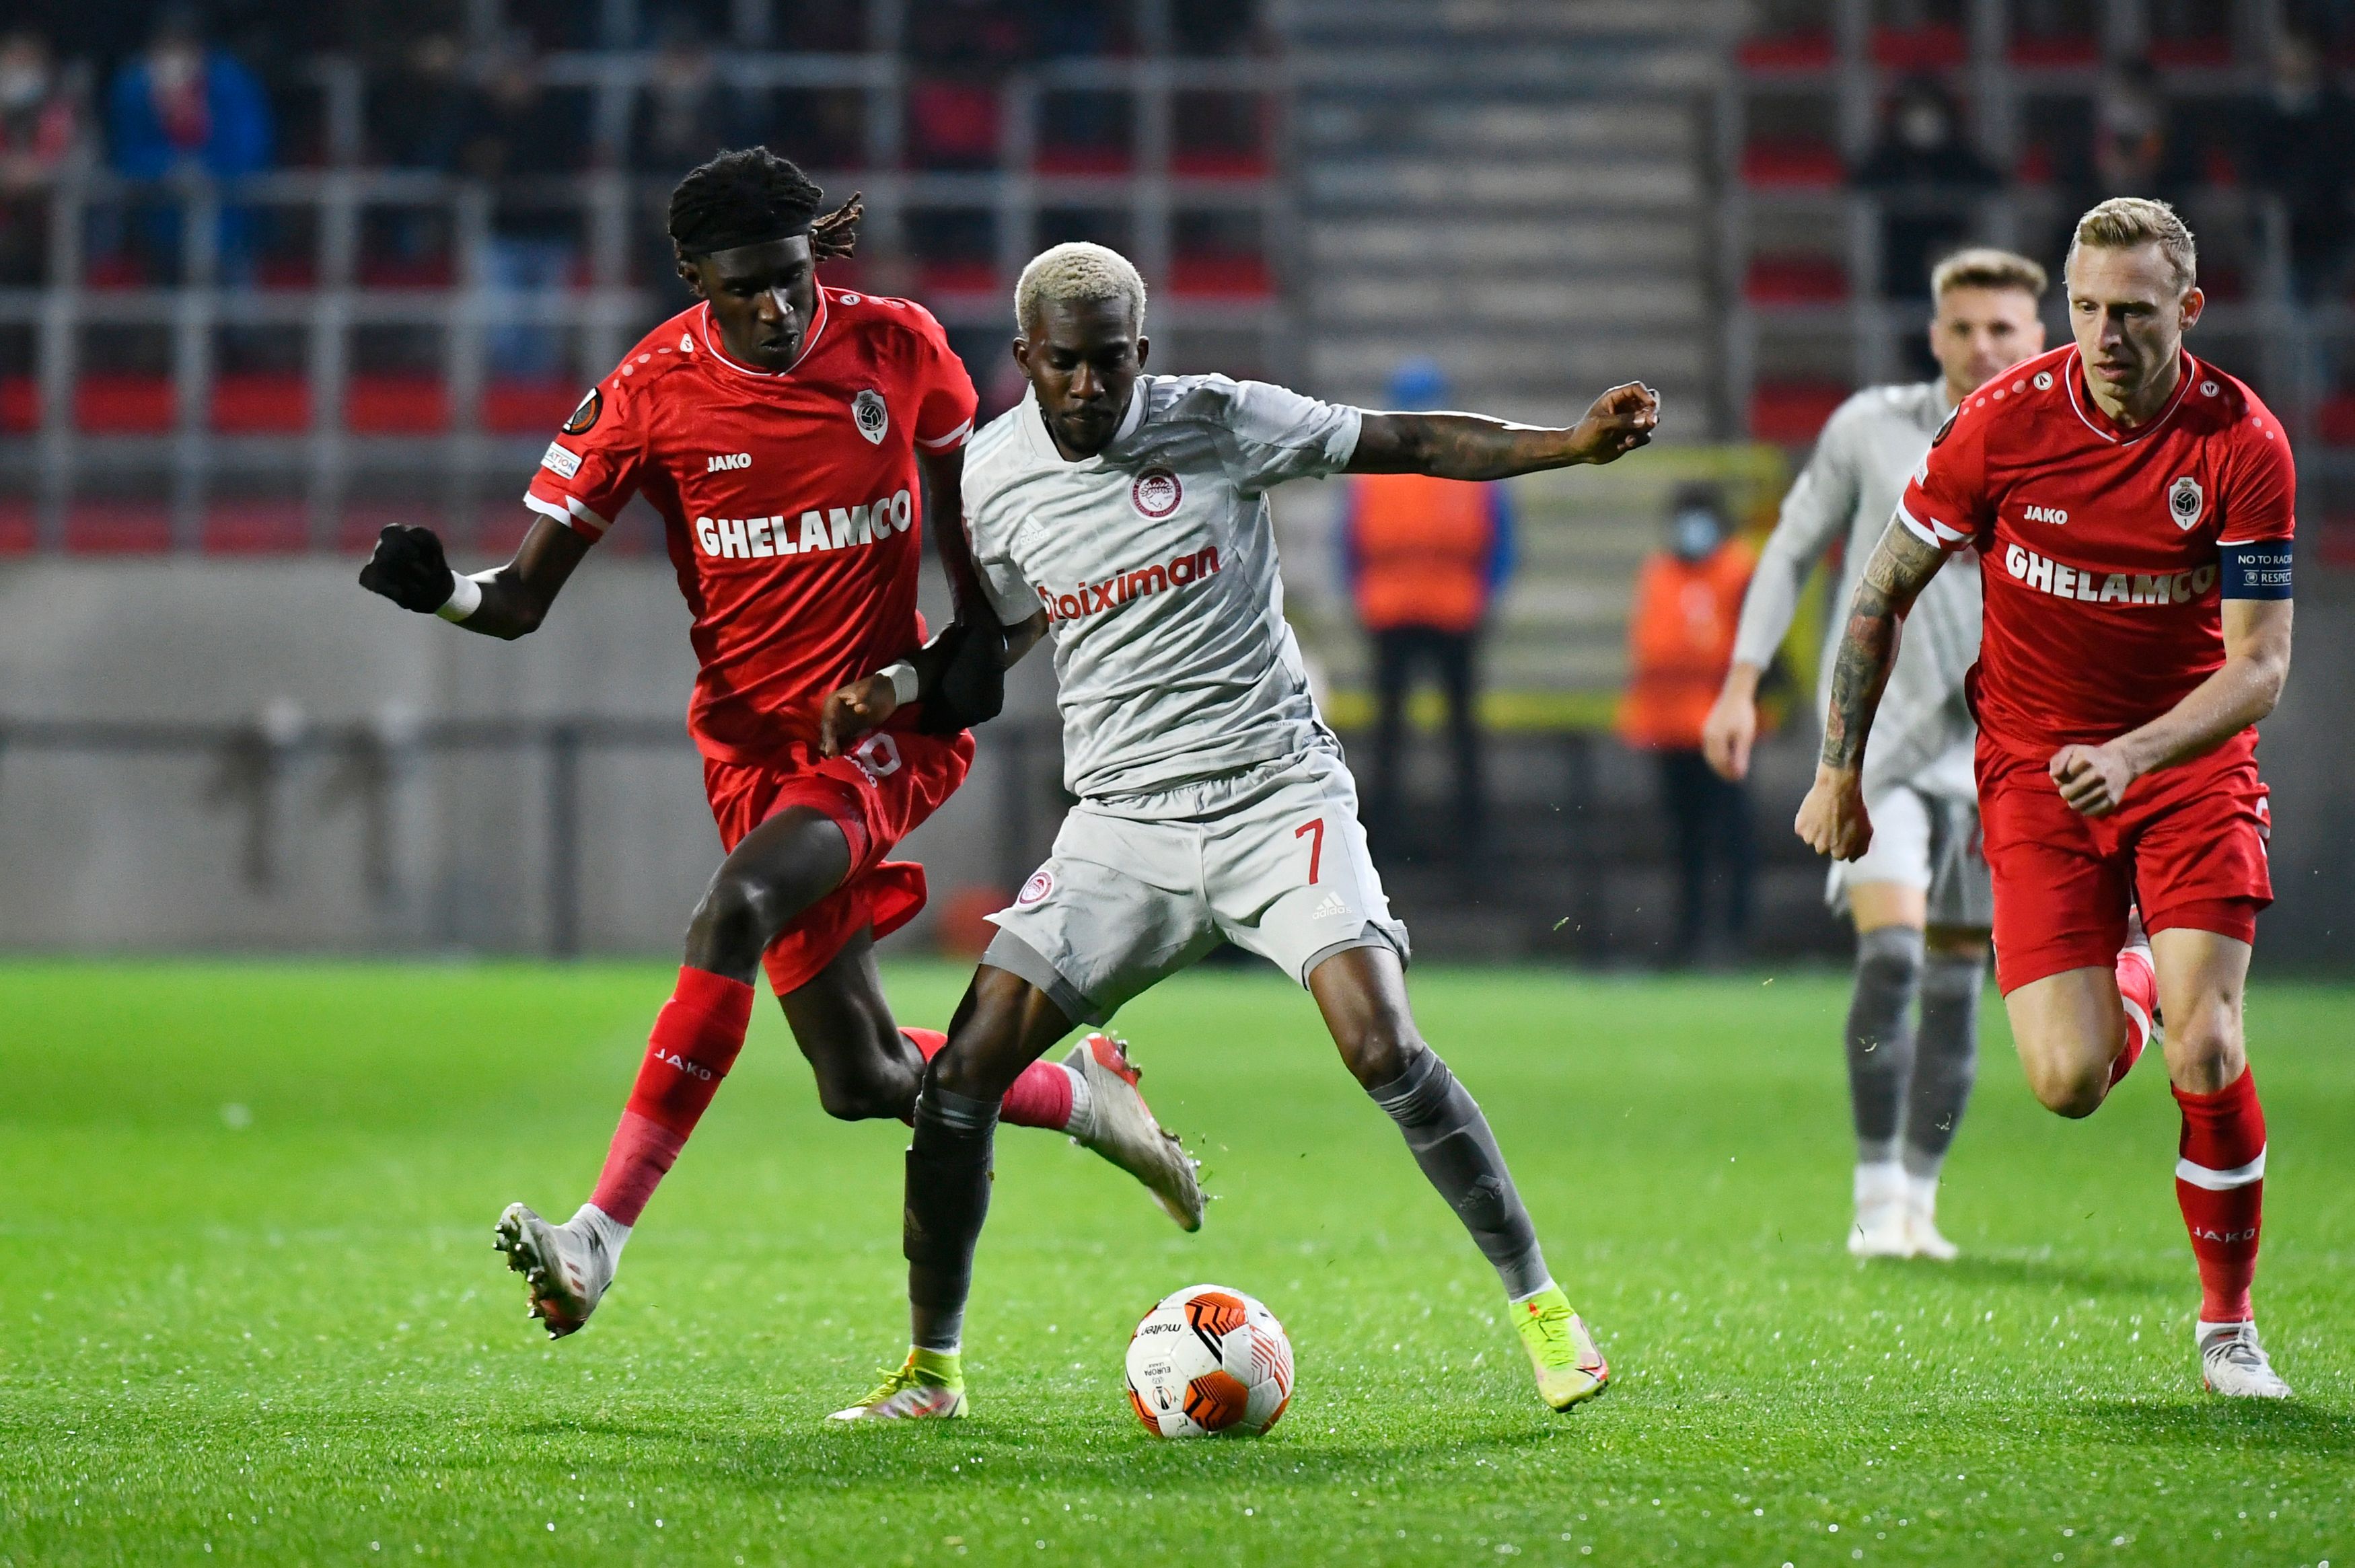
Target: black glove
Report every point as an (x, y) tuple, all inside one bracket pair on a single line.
[(973, 678), (408, 568)]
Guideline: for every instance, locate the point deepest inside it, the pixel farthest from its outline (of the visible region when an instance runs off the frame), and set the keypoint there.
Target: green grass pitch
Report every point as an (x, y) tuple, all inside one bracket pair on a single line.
[(249, 1312)]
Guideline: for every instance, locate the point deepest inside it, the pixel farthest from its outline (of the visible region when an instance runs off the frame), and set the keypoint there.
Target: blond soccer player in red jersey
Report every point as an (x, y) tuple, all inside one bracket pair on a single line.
[(791, 438), (2132, 508)]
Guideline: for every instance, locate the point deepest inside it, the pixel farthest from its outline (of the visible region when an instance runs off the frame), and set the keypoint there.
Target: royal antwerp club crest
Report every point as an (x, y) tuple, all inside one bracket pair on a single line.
[(2184, 502), (868, 412), (1157, 491)]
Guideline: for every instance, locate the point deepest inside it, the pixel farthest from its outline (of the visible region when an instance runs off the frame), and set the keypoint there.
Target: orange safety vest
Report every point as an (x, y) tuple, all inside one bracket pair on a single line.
[(1423, 547), (1680, 644)]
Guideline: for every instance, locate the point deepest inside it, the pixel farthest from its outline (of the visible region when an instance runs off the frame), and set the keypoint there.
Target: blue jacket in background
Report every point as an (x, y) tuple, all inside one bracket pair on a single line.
[(240, 138)]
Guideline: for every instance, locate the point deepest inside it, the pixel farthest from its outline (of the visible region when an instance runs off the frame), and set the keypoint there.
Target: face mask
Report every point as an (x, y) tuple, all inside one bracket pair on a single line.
[(1694, 534), (21, 86)]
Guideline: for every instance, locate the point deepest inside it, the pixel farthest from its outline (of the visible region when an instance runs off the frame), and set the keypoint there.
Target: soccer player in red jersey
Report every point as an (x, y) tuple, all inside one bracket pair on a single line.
[(2132, 508), (785, 432)]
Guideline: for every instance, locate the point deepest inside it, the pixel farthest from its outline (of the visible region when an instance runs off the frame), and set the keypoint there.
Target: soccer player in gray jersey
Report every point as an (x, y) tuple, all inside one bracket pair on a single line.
[(1920, 898), (1126, 517)]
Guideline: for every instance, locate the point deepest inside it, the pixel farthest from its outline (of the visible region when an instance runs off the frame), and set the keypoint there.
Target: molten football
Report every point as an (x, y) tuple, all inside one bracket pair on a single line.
[(1208, 1358)]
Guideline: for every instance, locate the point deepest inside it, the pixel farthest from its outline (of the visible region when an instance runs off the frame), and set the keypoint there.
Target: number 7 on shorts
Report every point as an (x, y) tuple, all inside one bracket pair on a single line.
[(1316, 844)]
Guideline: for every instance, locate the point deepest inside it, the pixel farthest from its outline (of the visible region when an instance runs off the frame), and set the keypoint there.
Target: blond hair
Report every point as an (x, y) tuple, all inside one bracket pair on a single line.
[(1983, 268), (1073, 272), (2125, 223)]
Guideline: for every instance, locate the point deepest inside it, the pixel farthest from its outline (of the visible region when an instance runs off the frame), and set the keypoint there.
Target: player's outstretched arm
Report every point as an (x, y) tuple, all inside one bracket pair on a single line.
[(865, 704), (1832, 817), (1473, 446), (410, 569), (2244, 689)]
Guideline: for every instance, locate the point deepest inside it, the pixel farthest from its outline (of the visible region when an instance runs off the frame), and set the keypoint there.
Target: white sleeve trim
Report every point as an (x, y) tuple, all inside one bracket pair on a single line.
[(571, 511), (955, 437), (1937, 535), (2221, 1181)]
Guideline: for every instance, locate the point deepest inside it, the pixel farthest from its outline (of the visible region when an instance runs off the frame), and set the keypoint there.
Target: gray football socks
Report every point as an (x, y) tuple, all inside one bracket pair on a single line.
[(1946, 1059), (1452, 1142), (1880, 1037)]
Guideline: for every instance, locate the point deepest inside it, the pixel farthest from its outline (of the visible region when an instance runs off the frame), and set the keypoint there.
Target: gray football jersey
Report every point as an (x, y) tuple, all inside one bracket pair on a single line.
[(1923, 734), (1154, 561)]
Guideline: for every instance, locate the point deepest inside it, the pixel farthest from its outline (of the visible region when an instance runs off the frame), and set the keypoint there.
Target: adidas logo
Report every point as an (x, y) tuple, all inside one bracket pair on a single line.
[(1332, 906)]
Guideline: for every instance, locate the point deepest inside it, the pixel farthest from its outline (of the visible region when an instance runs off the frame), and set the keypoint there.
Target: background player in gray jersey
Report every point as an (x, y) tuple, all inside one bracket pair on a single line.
[(1126, 517), (1920, 898)]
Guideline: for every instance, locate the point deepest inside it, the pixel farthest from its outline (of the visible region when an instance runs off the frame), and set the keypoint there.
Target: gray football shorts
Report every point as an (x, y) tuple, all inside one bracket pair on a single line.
[(1271, 859), (1924, 840)]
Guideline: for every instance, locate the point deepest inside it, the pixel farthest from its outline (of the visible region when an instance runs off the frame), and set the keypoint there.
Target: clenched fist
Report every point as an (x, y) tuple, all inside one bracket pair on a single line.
[(408, 568)]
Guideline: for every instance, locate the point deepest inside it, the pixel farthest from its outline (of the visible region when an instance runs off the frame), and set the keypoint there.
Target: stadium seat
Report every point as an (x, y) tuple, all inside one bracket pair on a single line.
[(118, 527), (295, 272), (1795, 281), (951, 125), (949, 275), (396, 405), (1793, 163), (118, 405), (256, 528), (529, 408), (2055, 49), (1241, 275), (435, 272), (2193, 51), (1790, 51), (1936, 47), (1071, 159), (261, 405), (2334, 419), (20, 403), (1791, 413), (19, 527), (1219, 162)]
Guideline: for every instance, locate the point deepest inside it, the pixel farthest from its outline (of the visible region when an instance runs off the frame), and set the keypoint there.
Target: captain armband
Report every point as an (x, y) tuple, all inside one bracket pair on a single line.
[(2258, 569)]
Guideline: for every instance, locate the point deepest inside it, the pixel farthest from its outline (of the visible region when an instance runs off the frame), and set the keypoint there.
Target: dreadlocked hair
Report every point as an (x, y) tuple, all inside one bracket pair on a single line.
[(751, 196)]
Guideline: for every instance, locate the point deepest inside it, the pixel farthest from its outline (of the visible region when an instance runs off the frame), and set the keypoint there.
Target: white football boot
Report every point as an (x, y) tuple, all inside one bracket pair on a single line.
[(1922, 1235), (1880, 1228), (566, 1268), (1116, 1123), (2232, 1363)]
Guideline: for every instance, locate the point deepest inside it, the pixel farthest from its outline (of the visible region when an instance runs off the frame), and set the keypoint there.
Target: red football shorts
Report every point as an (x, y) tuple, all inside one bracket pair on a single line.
[(2188, 846), (879, 793)]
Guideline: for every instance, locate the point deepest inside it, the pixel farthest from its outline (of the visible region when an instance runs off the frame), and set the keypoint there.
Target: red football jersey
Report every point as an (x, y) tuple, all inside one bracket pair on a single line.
[(789, 499), (2101, 547)]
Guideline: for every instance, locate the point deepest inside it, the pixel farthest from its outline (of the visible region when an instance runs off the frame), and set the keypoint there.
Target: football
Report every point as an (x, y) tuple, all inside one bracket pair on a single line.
[(1208, 1358)]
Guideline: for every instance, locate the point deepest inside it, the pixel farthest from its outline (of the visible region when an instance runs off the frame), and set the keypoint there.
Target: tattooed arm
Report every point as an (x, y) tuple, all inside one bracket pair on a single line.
[(1473, 446), (1832, 817)]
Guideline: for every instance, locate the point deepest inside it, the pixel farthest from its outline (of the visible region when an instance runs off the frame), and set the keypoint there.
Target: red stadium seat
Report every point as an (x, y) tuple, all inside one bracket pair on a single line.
[(20, 403), (261, 405), (1795, 281), (396, 405), (1802, 163), (957, 276), (1241, 275), (529, 408), (1937, 46), (1790, 51), (1219, 162), (1791, 413), (2334, 419), (2196, 51), (19, 527), (117, 405), (256, 528), (435, 272), (952, 124), (297, 272), (1078, 160), (118, 528), (2056, 49)]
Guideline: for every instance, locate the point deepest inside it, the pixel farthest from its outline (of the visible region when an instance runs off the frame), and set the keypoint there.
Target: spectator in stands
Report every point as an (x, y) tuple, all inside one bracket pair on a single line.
[(2300, 144), (1680, 645), (1928, 177), (686, 114), (40, 130), (520, 139), (182, 108), (1425, 558), (418, 108)]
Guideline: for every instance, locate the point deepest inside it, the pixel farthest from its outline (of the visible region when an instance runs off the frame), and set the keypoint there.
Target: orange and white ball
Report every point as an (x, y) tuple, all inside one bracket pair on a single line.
[(1208, 1358)]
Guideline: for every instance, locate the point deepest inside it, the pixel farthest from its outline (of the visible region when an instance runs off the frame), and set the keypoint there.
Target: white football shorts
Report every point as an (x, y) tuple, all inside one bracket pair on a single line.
[(1925, 840), (1271, 859)]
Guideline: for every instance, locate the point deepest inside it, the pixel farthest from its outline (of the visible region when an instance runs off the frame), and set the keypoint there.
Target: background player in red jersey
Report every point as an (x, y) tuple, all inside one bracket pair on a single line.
[(779, 429), (2132, 509)]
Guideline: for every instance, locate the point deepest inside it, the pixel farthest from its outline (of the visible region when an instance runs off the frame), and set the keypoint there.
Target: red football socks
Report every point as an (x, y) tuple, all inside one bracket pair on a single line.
[(696, 1038), (2139, 990), (2219, 1183), (1041, 1096)]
